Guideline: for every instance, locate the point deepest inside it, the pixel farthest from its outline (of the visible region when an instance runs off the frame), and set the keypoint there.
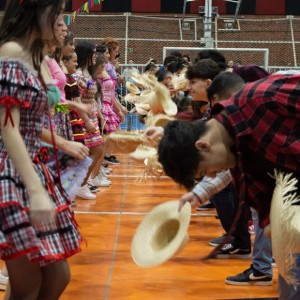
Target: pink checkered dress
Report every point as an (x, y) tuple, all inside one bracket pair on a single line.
[(21, 87), (108, 90)]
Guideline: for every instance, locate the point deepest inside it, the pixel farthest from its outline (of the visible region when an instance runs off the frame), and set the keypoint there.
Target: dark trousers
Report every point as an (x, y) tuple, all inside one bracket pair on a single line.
[(226, 204)]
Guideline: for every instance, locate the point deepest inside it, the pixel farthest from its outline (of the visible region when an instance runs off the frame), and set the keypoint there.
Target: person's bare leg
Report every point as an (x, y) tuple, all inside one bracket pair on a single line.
[(98, 164), (95, 154), (7, 295), (55, 279), (109, 148), (25, 278), (4, 271)]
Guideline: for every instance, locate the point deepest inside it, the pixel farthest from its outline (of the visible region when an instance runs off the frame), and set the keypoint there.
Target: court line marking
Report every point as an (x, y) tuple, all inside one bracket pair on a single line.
[(114, 251), (78, 212)]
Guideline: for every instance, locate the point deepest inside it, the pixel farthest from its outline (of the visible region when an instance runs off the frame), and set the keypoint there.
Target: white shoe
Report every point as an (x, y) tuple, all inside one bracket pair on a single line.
[(99, 181), (106, 169), (85, 193), (3, 282), (103, 175), (93, 189)]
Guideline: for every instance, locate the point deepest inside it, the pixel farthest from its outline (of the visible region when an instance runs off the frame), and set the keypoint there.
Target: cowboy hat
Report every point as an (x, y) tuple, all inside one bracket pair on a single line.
[(161, 235), (142, 108), (162, 102), (180, 82), (137, 78), (132, 88), (146, 96), (158, 120), (285, 225), (126, 141), (142, 152), (132, 98), (150, 80)]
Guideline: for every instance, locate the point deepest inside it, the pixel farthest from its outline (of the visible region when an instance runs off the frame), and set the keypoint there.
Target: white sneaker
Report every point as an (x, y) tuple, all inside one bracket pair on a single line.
[(106, 169), (3, 282), (103, 175), (85, 193), (93, 189), (99, 181)]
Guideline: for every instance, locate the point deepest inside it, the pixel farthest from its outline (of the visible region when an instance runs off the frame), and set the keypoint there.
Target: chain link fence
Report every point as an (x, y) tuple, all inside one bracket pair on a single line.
[(142, 37)]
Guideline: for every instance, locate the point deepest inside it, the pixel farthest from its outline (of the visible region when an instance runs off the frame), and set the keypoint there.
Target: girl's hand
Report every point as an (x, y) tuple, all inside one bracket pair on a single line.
[(90, 127), (75, 149), (121, 116), (42, 214), (154, 133)]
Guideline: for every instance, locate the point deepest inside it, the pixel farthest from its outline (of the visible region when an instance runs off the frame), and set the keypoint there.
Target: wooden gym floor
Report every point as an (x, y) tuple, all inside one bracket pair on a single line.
[(104, 269)]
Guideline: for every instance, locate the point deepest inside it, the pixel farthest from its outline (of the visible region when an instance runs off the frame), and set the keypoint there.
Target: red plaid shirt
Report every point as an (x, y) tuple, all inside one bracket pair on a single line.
[(264, 121)]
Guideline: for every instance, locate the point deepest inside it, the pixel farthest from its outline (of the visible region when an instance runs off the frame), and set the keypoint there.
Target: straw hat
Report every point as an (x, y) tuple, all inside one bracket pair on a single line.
[(132, 98), (132, 88), (126, 141), (146, 96), (161, 235), (159, 120), (162, 102), (150, 80), (285, 225), (180, 82), (142, 108), (137, 78), (142, 152)]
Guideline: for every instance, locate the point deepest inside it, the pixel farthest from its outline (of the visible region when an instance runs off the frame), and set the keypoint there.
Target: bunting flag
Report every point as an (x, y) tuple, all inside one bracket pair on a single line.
[(86, 7), (68, 19)]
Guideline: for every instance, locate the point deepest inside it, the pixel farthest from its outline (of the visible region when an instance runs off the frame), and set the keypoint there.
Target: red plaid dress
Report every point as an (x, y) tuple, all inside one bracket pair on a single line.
[(21, 87)]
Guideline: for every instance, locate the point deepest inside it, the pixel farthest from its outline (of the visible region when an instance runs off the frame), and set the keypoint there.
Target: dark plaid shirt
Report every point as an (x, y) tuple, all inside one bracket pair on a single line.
[(264, 121)]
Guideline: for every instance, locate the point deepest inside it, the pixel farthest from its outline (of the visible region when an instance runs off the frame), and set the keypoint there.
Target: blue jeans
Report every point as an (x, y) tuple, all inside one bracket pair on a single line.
[(287, 291), (262, 249)]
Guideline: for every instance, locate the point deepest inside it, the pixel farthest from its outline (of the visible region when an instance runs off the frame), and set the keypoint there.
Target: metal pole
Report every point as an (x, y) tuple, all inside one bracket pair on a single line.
[(209, 43), (293, 40), (183, 12), (126, 39), (237, 9)]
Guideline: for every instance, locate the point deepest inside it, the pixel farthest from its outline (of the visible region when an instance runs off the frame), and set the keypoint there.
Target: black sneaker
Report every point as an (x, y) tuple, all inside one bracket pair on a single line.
[(231, 251), (207, 206), (250, 277), (219, 240), (111, 160)]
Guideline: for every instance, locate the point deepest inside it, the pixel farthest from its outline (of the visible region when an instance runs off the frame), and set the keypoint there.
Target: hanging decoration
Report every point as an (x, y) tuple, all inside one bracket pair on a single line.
[(86, 7)]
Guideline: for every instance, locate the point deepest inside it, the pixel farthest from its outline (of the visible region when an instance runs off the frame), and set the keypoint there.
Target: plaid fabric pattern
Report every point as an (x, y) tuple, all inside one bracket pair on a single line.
[(17, 236), (250, 73), (88, 89), (264, 121), (112, 121)]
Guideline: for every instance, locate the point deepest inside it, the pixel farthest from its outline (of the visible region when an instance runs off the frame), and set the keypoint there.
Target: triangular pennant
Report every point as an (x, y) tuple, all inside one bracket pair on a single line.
[(67, 20), (85, 7)]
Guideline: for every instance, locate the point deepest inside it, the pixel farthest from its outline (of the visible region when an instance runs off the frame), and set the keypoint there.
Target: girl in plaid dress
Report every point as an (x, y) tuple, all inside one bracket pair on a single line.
[(37, 228), (92, 130)]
